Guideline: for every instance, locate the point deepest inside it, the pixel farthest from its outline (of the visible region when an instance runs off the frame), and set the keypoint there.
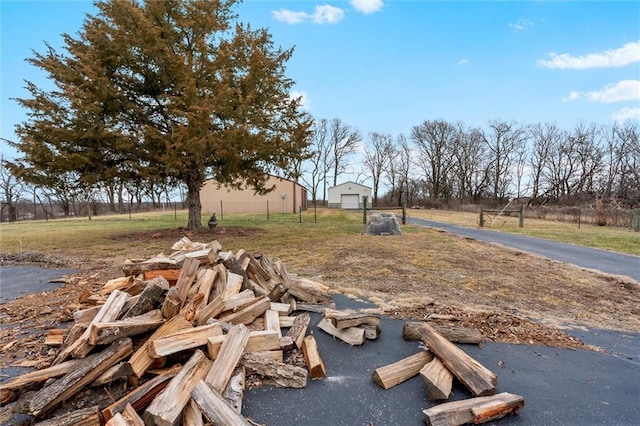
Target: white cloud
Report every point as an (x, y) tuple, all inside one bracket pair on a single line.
[(625, 55), (289, 16), (626, 114), (367, 6), (323, 14), (305, 103), (520, 24), (326, 14), (624, 90), (463, 61)]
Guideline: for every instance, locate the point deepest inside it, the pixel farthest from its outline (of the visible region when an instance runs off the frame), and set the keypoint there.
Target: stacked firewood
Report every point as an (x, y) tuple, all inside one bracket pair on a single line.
[(223, 313), (437, 365)]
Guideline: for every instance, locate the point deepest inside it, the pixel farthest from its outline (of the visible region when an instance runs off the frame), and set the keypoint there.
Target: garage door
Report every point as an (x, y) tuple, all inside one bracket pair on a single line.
[(349, 201)]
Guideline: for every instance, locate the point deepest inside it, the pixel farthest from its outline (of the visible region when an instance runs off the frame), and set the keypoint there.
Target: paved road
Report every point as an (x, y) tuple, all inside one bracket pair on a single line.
[(605, 261)]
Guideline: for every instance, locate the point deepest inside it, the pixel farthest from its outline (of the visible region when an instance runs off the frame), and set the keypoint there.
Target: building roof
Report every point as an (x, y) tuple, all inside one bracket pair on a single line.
[(350, 182)]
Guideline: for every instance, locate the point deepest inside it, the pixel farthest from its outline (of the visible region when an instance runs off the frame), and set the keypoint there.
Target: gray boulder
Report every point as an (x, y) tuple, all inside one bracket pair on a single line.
[(382, 224)]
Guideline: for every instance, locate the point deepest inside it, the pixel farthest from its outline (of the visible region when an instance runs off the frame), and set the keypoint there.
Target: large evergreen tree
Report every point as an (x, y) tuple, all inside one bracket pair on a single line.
[(164, 91)]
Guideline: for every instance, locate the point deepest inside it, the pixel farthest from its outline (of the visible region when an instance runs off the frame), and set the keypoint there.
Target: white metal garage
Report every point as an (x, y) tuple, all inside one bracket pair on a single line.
[(349, 201), (349, 195)]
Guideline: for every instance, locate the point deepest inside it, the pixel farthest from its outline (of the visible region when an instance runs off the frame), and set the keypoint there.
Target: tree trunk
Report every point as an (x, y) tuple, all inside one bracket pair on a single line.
[(194, 205)]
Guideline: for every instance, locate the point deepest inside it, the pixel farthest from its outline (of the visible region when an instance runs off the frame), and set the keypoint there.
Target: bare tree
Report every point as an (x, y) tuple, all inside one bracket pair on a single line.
[(344, 141), (503, 140), (11, 189), (434, 141), (544, 138), (470, 166), (377, 156), (318, 166)]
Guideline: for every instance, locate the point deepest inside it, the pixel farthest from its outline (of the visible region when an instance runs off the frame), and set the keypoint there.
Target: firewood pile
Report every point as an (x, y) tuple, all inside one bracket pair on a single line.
[(184, 331), (223, 312)]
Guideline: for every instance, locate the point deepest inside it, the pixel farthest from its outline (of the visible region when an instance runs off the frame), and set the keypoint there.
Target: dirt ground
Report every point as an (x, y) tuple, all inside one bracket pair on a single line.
[(510, 296)]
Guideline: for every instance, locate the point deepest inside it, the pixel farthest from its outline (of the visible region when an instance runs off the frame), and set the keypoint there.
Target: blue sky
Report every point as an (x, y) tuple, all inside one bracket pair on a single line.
[(387, 66)]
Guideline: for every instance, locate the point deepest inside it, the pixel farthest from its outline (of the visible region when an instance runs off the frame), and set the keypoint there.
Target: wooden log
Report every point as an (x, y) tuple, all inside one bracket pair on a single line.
[(85, 316), (370, 332), (230, 353), (353, 335), (131, 417), (279, 290), (342, 320), (55, 337), (275, 373), (190, 310), (312, 358), (192, 415), (115, 284), (89, 416), (239, 300), (234, 392), (275, 355), (250, 313), (473, 410), (182, 340), (117, 420), (272, 322), (188, 273), (298, 330), (205, 284), (437, 380), (49, 397), (455, 334), (478, 379), (11, 390), (152, 295), (233, 285), (309, 291), (264, 340), (219, 282), (283, 309), (135, 267), (172, 304), (171, 275), (393, 374), (142, 396), (206, 256), (109, 312), (166, 408), (215, 408), (141, 359), (286, 322), (118, 371), (211, 310), (107, 332)]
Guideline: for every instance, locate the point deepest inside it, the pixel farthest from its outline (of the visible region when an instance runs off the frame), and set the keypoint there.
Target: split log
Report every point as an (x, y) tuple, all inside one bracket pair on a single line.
[(437, 380), (205, 285), (182, 340), (211, 310), (135, 267), (141, 359), (89, 416), (234, 392), (118, 371), (190, 310), (142, 396), (107, 332), (115, 284), (353, 335), (283, 309), (172, 303), (192, 415), (454, 334), (370, 332), (55, 337), (275, 373), (166, 408), (471, 373), (277, 292), (312, 358), (206, 256), (187, 275), (49, 397), (11, 390), (233, 285), (215, 408), (230, 353), (298, 330), (85, 316), (171, 275), (275, 355), (128, 417), (474, 410), (286, 322), (263, 340), (272, 322), (220, 281), (342, 320), (309, 291), (109, 312), (250, 313), (239, 300), (393, 374), (152, 295)]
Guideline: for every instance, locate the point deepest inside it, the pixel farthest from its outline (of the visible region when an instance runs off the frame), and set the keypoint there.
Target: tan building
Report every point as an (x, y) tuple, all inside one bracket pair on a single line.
[(287, 197)]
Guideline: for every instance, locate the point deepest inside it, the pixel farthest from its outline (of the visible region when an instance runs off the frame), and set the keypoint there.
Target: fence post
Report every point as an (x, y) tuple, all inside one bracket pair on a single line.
[(481, 221), (404, 213), (521, 216), (221, 211), (636, 220), (364, 209), (579, 217), (267, 210), (300, 211), (315, 211)]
